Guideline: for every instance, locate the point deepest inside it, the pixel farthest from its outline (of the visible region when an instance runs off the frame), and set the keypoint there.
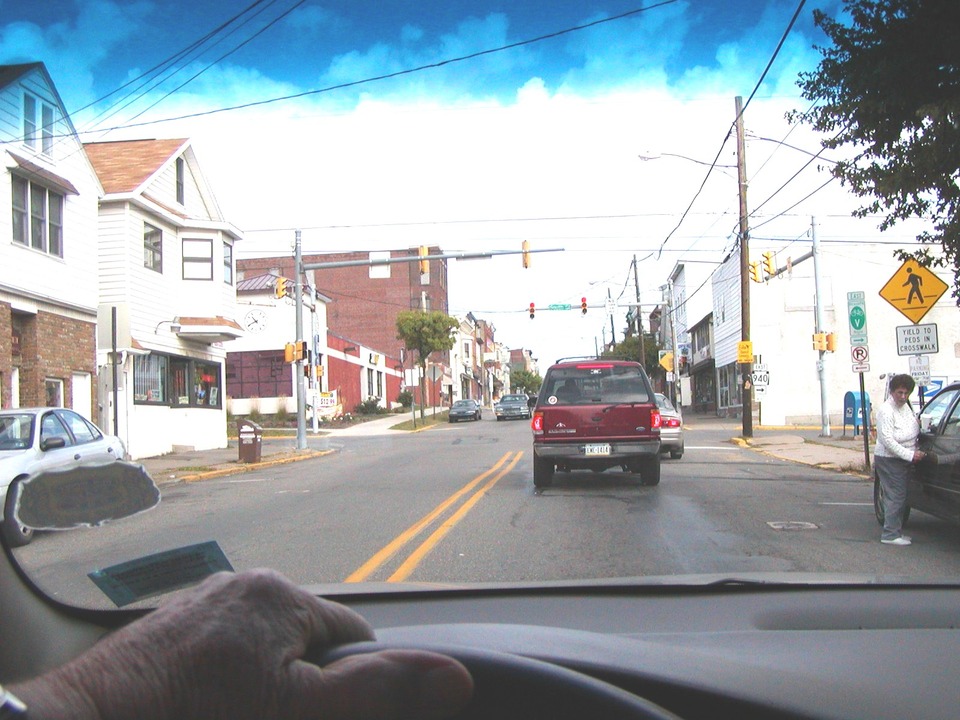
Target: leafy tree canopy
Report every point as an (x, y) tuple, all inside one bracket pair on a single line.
[(629, 349), (426, 332), (889, 89), (525, 381)]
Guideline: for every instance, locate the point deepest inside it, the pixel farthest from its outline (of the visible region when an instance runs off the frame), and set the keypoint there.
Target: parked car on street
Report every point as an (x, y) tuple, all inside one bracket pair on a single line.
[(40, 439), (594, 414), (935, 486), (512, 406), (671, 431), (465, 410)]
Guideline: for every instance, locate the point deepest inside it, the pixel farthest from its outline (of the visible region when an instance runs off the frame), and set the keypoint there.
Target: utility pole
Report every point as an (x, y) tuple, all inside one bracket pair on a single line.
[(818, 328), (746, 378), (298, 304), (613, 334), (636, 286)]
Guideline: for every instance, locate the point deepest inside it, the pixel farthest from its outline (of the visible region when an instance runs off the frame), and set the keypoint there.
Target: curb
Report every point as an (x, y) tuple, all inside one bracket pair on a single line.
[(250, 467), (745, 444)]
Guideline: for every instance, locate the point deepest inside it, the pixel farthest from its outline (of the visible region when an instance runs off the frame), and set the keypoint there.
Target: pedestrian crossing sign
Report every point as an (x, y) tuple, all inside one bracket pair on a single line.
[(913, 290)]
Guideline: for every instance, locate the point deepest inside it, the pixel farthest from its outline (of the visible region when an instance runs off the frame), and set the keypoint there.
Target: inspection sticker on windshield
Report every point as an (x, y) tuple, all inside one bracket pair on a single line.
[(160, 573)]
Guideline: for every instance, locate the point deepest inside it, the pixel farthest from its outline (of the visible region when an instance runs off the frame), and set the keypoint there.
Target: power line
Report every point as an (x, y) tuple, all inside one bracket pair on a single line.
[(400, 73)]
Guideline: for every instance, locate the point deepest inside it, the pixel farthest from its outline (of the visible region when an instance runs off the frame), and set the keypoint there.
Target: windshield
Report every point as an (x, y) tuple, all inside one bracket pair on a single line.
[(300, 270)]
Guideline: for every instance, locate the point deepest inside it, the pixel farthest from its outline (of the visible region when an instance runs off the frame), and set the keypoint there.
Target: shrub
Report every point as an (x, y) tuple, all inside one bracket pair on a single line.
[(370, 406), (405, 398)]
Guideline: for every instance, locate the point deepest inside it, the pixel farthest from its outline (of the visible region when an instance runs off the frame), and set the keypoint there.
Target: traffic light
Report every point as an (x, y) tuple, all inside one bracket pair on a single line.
[(831, 343), (755, 271), (532, 308), (768, 263), (526, 253), (289, 353), (281, 287), (820, 341), (424, 264), (583, 305), (302, 352)]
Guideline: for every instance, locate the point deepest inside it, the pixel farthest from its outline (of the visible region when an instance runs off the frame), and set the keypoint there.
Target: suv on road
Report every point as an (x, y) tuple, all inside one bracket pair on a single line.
[(596, 414)]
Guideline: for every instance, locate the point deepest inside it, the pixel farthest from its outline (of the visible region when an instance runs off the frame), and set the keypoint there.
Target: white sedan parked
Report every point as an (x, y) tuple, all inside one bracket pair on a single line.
[(34, 440)]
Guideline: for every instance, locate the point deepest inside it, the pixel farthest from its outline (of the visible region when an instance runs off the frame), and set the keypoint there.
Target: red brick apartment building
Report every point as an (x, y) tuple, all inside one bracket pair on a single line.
[(367, 298)]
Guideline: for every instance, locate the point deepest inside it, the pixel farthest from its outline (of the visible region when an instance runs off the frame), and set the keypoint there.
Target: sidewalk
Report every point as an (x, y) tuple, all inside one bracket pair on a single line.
[(192, 465), (800, 444)]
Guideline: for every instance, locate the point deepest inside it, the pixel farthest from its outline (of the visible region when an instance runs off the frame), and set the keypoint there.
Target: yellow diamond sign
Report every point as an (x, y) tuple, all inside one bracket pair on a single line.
[(913, 290), (666, 362)]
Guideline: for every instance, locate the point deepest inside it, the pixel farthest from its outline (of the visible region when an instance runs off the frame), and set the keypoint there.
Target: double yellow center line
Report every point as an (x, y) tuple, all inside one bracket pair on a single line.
[(492, 476)]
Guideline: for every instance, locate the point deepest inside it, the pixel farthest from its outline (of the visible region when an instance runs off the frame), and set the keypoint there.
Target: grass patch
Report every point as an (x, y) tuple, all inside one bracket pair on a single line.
[(428, 421)]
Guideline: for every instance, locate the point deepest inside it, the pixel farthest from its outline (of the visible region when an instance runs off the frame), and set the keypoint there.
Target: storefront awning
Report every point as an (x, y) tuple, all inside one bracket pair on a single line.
[(207, 330)]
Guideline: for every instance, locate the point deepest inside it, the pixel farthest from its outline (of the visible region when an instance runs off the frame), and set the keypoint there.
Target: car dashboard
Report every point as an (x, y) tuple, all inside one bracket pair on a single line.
[(721, 648)]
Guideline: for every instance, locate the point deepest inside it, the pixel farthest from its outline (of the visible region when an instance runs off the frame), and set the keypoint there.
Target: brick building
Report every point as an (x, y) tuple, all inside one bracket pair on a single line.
[(366, 299), (48, 264)]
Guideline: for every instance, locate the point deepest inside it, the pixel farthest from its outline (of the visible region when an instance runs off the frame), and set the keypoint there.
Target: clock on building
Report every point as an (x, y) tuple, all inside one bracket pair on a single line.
[(255, 321)]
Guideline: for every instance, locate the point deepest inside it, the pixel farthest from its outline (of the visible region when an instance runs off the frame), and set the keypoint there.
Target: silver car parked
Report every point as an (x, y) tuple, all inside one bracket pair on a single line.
[(671, 431), (34, 440)]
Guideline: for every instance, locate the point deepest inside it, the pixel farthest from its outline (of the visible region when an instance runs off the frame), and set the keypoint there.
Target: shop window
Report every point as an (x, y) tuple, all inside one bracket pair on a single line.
[(150, 379), (176, 381)]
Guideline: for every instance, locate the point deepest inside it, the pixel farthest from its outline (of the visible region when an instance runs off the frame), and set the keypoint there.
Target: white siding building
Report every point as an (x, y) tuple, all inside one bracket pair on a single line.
[(167, 296)]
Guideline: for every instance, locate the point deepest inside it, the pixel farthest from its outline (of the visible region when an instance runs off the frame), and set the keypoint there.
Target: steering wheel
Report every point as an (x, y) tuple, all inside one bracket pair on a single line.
[(510, 686)]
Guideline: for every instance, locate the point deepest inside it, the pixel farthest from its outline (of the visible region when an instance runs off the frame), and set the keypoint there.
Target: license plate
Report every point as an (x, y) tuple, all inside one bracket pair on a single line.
[(597, 449)]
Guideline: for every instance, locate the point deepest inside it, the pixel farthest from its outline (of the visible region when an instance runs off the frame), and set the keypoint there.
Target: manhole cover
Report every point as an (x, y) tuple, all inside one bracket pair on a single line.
[(792, 525)]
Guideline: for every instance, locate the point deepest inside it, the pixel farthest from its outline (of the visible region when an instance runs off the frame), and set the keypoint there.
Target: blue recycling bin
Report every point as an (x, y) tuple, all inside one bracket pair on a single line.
[(853, 413)]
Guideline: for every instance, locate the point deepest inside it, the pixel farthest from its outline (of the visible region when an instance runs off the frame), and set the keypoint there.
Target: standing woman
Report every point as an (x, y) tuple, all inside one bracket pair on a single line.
[(895, 455)]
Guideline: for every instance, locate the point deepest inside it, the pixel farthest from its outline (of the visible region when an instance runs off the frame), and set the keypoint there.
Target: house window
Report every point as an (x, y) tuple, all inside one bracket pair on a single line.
[(369, 381), (30, 124), (228, 263), (176, 381), (37, 216), (379, 384), (54, 389), (180, 172), (46, 130), (197, 259), (152, 248), (30, 121)]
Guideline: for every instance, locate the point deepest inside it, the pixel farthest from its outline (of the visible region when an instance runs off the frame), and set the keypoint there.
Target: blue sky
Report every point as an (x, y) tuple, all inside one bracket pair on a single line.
[(539, 142)]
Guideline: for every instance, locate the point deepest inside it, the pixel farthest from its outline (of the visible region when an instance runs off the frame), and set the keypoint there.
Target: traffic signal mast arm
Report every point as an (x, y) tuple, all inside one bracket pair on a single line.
[(419, 258)]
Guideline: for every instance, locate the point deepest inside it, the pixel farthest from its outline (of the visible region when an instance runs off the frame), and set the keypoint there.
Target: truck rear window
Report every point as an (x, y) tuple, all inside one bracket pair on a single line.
[(595, 384)]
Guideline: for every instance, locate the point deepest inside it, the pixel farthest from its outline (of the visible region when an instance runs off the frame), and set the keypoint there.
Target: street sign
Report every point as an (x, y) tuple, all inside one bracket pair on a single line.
[(761, 376), (861, 367), (559, 306), (917, 339), (666, 361), (920, 369), (913, 290), (759, 391), (857, 316), (744, 352), (860, 354)]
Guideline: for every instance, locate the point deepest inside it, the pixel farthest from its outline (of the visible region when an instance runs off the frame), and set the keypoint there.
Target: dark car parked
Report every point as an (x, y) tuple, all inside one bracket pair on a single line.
[(935, 486), (465, 410), (596, 414)]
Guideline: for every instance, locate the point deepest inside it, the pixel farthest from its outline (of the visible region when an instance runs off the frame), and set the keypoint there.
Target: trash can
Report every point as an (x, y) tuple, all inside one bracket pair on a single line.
[(250, 441), (853, 413)]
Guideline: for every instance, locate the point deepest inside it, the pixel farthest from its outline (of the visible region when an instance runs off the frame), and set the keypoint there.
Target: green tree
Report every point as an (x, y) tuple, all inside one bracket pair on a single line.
[(629, 349), (425, 333), (525, 381), (889, 90)]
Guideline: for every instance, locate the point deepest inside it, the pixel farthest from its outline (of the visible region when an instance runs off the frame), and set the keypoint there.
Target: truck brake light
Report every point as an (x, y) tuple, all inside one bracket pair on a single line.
[(537, 423)]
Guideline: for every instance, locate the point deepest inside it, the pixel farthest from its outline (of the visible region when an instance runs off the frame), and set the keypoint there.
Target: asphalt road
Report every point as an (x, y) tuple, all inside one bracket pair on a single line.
[(456, 504)]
